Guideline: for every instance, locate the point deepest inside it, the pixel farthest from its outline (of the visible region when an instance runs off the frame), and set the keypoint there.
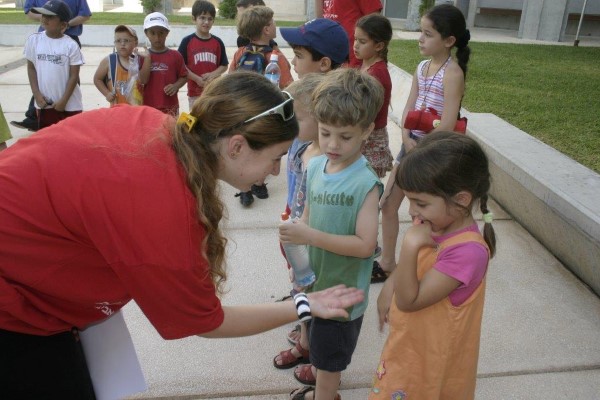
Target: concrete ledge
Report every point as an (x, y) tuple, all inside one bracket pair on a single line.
[(555, 198)]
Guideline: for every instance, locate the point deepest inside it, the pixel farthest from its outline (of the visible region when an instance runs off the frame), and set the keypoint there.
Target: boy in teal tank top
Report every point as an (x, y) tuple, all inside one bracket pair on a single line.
[(340, 219)]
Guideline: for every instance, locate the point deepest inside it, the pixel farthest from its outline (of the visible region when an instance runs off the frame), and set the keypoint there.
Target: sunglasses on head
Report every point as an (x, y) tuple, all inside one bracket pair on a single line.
[(285, 110)]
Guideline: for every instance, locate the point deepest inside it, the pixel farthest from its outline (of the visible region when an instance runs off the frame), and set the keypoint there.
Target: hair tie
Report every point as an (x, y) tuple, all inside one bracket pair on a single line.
[(488, 217), (188, 120), (464, 39)]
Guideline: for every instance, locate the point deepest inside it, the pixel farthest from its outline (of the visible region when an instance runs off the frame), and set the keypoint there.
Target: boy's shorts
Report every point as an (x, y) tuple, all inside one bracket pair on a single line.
[(332, 343)]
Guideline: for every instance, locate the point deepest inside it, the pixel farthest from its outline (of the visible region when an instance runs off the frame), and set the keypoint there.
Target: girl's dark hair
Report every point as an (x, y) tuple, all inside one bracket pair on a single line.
[(444, 164), (202, 6), (450, 21), (221, 111), (379, 29)]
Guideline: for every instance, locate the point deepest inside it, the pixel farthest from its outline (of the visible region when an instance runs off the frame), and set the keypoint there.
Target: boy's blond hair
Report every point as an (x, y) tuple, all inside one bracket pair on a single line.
[(252, 21), (347, 97), (302, 90)]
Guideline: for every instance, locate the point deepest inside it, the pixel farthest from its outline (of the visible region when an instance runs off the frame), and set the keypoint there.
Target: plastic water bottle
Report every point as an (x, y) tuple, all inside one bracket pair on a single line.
[(272, 72), (297, 256)]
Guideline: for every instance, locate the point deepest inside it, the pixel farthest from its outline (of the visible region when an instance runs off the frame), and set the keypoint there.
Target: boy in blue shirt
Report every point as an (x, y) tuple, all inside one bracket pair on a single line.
[(340, 219)]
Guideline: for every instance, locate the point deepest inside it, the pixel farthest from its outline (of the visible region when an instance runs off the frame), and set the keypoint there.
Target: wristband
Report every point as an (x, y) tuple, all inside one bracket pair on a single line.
[(302, 307)]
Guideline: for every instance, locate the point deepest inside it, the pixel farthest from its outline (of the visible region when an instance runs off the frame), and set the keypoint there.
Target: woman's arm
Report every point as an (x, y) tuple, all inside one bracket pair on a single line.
[(248, 320)]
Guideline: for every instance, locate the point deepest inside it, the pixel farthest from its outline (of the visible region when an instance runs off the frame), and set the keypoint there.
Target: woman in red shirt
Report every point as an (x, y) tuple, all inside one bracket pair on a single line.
[(122, 204)]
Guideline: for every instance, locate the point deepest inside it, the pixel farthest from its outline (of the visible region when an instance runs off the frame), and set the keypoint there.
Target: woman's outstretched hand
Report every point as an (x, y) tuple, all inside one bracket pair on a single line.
[(332, 302)]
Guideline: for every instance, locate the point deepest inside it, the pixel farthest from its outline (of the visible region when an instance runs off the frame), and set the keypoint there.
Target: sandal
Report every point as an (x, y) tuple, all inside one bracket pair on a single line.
[(378, 275), (289, 360), (300, 394), (294, 335), (304, 374)]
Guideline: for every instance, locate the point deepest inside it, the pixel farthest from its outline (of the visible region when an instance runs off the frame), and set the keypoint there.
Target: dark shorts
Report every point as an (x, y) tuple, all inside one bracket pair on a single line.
[(43, 367), (49, 116), (332, 343), (402, 151)]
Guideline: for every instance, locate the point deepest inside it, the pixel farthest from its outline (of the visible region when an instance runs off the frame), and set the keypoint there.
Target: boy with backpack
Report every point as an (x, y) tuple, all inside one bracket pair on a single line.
[(257, 24), (320, 45), (121, 75), (203, 53)]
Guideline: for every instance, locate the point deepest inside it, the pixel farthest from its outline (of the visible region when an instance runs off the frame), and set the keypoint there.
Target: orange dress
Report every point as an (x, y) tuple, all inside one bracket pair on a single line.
[(432, 353)]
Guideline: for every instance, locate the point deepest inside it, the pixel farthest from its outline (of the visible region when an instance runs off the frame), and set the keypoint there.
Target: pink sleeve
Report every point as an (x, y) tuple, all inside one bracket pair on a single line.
[(465, 262)]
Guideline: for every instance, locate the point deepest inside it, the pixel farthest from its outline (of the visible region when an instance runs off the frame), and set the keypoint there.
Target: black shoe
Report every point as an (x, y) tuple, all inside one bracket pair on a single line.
[(260, 191), (245, 198), (28, 123)]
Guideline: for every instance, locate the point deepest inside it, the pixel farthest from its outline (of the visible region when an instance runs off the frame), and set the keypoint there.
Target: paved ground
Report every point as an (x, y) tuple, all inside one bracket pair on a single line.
[(541, 325)]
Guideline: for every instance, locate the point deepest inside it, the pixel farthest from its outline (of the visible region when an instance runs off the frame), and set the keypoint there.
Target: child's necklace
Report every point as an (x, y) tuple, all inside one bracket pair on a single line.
[(427, 87)]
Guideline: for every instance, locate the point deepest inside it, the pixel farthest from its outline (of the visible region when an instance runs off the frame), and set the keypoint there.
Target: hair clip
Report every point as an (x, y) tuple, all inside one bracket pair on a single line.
[(188, 120), (488, 217)]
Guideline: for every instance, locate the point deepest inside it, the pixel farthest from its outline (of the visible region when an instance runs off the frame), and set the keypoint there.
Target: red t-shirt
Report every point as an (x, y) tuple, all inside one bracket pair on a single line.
[(94, 212), (202, 56), (380, 72), (166, 68), (347, 13)]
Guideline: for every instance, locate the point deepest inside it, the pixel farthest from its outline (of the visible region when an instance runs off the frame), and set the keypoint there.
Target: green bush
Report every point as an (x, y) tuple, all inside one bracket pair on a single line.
[(227, 9), (151, 6), (425, 5)]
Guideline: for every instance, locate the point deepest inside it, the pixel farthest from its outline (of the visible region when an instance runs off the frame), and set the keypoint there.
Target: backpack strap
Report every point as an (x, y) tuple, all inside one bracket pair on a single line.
[(112, 69)]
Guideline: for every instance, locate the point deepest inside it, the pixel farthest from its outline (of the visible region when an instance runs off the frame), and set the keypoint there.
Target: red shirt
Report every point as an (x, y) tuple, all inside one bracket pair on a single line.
[(202, 56), (347, 13), (166, 68), (94, 212), (380, 71)]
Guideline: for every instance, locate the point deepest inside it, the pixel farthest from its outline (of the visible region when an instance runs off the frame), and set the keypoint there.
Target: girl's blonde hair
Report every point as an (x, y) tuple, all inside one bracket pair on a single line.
[(347, 97), (221, 111)]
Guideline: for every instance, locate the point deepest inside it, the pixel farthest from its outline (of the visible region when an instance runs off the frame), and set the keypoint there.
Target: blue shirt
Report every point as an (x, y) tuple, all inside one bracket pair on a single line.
[(78, 8)]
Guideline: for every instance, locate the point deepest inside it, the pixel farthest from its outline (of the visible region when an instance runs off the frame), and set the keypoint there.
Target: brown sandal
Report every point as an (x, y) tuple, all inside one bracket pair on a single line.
[(304, 374), (289, 360)]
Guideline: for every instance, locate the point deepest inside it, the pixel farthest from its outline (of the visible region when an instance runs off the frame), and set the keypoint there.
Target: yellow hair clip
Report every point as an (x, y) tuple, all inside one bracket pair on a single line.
[(188, 120)]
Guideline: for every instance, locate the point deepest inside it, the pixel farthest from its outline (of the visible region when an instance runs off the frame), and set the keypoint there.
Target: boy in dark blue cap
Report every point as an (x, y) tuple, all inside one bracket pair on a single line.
[(53, 63), (319, 45)]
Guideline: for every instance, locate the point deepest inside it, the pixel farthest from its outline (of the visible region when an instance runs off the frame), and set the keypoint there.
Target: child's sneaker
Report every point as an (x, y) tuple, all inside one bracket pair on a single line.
[(260, 191), (245, 198)]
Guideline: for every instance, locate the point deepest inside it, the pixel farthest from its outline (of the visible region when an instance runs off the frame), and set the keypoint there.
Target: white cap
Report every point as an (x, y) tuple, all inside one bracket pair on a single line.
[(274, 57), (156, 19)]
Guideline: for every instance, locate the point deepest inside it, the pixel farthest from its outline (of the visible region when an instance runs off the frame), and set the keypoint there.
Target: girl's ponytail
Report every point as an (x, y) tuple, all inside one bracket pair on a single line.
[(463, 51), (489, 235)]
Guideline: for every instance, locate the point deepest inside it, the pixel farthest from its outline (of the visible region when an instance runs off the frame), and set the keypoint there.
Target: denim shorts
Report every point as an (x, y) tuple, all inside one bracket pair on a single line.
[(332, 343), (402, 151)]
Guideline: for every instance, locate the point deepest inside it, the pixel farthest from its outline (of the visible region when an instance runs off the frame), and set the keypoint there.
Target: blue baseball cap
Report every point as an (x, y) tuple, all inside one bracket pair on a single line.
[(324, 35)]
